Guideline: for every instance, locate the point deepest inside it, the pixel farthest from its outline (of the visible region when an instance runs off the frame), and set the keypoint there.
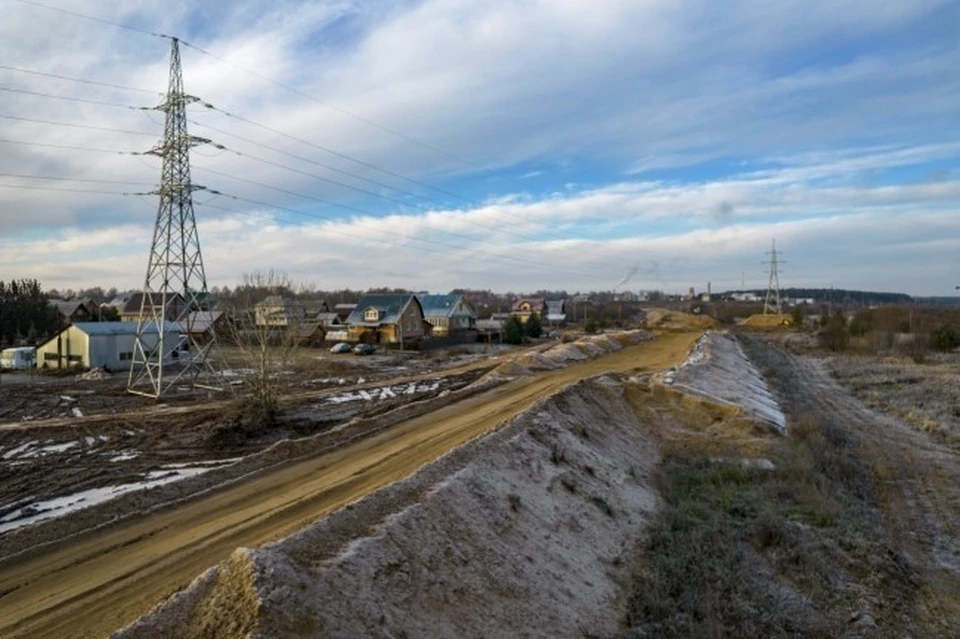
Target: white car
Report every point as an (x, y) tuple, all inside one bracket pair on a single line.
[(342, 347)]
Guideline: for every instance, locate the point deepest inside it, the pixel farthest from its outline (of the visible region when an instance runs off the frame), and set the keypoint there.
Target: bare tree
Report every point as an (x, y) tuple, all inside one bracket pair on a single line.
[(265, 328)]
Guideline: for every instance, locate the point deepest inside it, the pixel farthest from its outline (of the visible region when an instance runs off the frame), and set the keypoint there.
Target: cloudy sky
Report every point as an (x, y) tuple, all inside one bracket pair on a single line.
[(512, 145)]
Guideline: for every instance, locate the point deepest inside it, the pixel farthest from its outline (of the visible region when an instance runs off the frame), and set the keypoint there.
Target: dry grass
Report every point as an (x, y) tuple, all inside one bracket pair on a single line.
[(926, 396), (740, 551)]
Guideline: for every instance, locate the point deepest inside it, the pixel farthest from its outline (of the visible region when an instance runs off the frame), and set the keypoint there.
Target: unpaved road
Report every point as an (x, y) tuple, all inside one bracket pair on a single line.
[(917, 481), (100, 581)]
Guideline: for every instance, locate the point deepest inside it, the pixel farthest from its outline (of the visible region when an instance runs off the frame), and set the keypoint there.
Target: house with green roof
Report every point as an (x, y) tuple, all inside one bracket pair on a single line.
[(387, 319), (448, 314)]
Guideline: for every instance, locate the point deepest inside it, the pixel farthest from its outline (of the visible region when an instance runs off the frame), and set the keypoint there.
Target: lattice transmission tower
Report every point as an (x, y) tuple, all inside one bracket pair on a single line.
[(771, 303), (175, 302)]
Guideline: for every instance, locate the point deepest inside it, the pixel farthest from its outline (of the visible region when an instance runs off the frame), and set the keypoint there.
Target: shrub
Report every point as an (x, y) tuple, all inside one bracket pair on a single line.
[(834, 335), (591, 326), (945, 338), (513, 331), (533, 327)]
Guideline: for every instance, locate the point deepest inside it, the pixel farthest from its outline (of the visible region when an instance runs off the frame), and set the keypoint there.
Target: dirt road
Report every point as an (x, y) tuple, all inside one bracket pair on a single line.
[(916, 485), (107, 578)]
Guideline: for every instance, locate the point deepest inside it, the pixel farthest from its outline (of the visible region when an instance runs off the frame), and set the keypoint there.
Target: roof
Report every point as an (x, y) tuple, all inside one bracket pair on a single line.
[(135, 302), (536, 303), (116, 328), (389, 305), (555, 307), (201, 321), (328, 318), (345, 307), (123, 328), (440, 305), (68, 307)]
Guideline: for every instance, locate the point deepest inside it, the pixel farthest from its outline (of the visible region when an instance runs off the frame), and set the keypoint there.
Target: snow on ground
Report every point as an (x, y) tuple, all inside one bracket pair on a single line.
[(32, 512), (29, 450), (718, 369), (385, 392), (526, 532)]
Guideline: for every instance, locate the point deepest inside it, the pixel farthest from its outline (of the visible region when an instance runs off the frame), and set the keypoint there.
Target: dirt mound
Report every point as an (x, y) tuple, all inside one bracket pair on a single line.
[(667, 320), (528, 538), (768, 322)]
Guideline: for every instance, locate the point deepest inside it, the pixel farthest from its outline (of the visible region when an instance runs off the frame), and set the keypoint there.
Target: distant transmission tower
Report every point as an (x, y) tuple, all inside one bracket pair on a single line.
[(772, 302), (166, 352)]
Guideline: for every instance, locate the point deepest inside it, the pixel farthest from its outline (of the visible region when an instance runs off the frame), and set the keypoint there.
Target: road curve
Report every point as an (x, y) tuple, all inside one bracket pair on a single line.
[(103, 580)]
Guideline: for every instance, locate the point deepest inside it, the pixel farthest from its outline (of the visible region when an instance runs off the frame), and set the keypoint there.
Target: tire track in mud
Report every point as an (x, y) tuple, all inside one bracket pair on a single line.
[(916, 479), (109, 577)]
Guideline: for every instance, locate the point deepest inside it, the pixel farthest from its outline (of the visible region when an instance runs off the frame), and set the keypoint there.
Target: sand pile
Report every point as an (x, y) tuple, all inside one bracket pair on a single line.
[(666, 320), (525, 532), (768, 322)]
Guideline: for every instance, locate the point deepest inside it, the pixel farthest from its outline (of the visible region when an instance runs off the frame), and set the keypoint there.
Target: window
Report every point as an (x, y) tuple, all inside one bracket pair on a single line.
[(50, 357), (126, 357), (74, 358), (371, 315)]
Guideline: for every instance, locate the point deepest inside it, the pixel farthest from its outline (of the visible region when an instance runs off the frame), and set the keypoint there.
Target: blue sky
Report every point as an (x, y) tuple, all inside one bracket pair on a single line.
[(509, 145)]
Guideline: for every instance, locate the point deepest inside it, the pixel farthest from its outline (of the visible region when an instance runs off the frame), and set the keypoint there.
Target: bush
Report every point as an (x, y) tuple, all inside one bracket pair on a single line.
[(834, 335), (591, 326), (533, 327), (945, 338), (513, 331)]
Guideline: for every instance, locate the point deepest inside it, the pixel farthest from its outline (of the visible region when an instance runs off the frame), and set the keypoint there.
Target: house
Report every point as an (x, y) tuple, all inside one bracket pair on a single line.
[(328, 320), (279, 311), (312, 309), (556, 311), (524, 307), (343, 311), (448, 314), (75, 310), (105, 345), (136, 308), (311, 334), (203, 326), (387, 319)]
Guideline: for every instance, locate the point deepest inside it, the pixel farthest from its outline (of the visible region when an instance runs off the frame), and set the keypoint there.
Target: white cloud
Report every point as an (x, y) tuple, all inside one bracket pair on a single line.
[(593, 92)]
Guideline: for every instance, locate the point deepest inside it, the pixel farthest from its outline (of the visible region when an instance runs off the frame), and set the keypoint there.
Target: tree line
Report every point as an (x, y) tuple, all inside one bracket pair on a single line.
[(25, 314)]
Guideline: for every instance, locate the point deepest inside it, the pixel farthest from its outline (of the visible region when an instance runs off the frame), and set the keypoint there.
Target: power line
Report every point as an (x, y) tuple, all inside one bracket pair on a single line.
[(312, 161), (333, 152), (77, 126), (67, 190), (80, 80), (95, 19), (269, 80), (70, 179), (70, 147), (74, 99)]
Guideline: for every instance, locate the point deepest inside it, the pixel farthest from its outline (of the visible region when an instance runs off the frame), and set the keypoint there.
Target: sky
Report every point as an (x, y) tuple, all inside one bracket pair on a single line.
[(508, 145)]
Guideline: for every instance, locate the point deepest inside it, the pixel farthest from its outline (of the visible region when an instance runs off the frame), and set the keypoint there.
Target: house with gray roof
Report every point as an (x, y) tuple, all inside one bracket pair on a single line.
[(75, 310), (387, 319), (448, 314)]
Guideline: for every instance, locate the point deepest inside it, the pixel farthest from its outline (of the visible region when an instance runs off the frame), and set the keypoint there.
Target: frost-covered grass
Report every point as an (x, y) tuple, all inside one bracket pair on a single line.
[(926, 396)]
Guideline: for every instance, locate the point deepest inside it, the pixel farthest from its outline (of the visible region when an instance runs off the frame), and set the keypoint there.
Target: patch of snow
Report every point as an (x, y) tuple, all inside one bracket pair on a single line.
[(90, 441), (60, 506), (384, 392), (76, 412), (22, 448), (125, 455), (67, 398)]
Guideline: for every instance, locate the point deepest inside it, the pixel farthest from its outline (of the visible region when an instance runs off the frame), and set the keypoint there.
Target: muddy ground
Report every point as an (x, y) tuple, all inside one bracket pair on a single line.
[(65, 436)]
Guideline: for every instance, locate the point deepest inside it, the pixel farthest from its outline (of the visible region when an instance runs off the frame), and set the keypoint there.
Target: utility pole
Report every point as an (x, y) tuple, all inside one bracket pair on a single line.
[(175, 265), (771, 305)]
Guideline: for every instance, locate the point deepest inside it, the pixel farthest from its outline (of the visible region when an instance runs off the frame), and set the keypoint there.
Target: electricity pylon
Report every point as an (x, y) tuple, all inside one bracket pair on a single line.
[(771, 303), (166, 352)]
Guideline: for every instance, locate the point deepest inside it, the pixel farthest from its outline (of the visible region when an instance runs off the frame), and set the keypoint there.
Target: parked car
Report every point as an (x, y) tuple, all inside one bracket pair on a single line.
[(341, 347), (363, 349)]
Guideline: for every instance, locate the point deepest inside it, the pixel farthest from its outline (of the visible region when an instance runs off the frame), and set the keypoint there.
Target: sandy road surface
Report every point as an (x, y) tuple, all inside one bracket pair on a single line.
[(917, 487), (107, 578)]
